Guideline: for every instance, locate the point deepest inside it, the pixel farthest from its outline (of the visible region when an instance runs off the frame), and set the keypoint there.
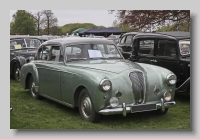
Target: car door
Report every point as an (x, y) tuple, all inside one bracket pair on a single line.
[(68, 78), (52, 73), (144, 50), (166, 55), (41, 65)]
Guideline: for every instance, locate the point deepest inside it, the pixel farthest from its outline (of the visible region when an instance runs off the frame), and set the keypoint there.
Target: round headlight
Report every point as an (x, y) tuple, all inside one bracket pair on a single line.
[(171, 79), (167, 96), (114, 102), (105, 85)]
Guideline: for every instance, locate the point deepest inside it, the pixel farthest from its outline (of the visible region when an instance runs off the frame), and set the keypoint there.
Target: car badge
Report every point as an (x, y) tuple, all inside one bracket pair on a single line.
[(156, 90)]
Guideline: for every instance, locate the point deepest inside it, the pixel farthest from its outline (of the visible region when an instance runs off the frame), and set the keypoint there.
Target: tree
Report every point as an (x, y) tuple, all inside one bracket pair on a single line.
[(49, 20), (172, 27), (151, 19), (56, 31), (121, 26), (38, 21), (115, 23), (69, 28), (23, 23)]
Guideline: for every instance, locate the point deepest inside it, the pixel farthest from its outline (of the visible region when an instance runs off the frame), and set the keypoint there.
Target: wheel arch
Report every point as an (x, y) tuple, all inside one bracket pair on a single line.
[(27, 80), (76, 94)]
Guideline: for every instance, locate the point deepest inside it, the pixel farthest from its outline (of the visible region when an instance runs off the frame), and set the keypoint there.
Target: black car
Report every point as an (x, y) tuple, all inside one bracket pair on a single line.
[(22, 50), (125, 44), (170, 50)]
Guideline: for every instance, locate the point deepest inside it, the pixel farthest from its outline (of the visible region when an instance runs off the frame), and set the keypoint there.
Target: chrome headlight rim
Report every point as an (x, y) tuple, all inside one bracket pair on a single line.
[(102, 85), (167, 98), (168, 77)]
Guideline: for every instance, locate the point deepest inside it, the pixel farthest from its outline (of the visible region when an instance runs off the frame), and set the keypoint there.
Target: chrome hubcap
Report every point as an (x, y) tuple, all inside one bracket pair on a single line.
[(86, 106), (17, 74), (33, 89)]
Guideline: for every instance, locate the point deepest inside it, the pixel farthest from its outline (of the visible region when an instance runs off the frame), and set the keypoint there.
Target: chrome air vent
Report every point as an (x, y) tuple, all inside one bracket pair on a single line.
[(138, 86)]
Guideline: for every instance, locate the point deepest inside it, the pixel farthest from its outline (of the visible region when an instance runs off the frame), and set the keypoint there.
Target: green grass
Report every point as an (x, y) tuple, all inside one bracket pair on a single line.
[(29, 113)]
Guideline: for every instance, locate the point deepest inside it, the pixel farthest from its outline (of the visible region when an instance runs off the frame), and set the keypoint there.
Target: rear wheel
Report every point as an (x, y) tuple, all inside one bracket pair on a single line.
[(17, 72), (32, 89), (86, 108)]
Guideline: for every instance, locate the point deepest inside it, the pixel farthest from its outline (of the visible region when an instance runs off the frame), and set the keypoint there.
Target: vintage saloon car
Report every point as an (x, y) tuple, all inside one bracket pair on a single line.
[(125, 44), (22, 49), (91, 74), (170, 50)]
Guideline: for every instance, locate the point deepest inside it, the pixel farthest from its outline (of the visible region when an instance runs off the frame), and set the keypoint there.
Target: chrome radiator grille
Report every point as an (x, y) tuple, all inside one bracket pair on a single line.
[(138, 87)]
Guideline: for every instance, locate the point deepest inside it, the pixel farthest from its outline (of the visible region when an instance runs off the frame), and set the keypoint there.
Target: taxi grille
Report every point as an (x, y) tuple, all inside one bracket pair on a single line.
[(137, 80)]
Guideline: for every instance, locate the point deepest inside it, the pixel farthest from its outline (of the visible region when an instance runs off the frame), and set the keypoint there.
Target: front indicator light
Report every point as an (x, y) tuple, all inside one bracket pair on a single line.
[(167, 96), (114, 102)]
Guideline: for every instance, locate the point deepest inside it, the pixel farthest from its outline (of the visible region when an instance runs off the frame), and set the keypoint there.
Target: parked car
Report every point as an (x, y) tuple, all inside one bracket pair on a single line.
[(125, 44), (170, 50), (91, 74), (22, 50), (114, 38)]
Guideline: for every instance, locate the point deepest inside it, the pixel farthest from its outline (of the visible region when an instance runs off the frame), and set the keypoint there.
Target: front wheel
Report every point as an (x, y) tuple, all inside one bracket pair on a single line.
[(17, 72), (32, 89), (86, 108)]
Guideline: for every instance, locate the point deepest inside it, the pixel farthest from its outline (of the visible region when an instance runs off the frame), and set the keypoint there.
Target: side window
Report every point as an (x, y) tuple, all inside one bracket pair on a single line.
[(128, 39), (73, 52), (56, 54), (43, 53), (166, 48), (99, 47), (17, 44), (32, 42), (76, 50), (146, 47), (122, 39)]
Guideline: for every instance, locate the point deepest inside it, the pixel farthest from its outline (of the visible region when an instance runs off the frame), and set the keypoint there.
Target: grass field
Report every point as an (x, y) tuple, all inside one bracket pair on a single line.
[(29, 113)]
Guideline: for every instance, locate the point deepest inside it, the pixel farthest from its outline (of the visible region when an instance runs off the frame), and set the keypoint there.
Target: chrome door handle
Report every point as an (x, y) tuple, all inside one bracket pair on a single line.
[(153, 60)]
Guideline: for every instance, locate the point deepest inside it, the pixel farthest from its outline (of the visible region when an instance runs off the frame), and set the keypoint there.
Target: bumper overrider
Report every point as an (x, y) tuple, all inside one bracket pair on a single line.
[(138, 108)]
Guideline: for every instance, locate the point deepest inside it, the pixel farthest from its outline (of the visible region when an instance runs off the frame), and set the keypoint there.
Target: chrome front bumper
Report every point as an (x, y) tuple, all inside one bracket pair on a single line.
[(127, 109)]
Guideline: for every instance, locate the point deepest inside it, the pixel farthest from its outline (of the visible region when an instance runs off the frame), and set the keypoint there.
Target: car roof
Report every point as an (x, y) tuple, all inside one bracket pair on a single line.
[(23, 36), (78, 40), (176, 34), (130, 33), (169, 35)]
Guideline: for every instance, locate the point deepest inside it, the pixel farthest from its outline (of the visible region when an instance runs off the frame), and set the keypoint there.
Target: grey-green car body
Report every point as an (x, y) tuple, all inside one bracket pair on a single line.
[(62, 81)]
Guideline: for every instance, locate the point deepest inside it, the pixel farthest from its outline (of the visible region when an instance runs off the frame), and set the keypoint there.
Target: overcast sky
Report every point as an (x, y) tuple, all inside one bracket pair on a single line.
[(97, 17)]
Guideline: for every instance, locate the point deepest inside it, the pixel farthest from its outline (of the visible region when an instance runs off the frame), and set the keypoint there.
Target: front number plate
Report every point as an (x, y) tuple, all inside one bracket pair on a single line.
[(140, 108)]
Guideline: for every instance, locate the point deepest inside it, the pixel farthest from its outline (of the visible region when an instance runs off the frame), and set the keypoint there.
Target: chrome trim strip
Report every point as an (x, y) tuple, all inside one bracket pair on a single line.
[(57, 70), (128, 108), (47, 68), (68, 72), (56, 100)]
